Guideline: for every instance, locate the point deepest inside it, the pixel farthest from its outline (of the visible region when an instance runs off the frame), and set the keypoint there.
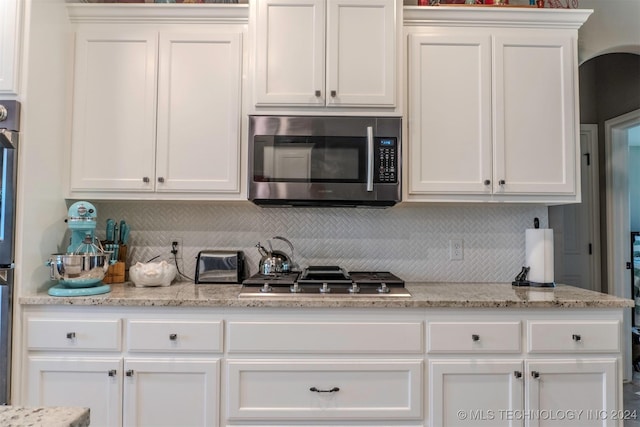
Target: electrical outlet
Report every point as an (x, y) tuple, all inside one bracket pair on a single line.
[(456, 252), (178, 246)]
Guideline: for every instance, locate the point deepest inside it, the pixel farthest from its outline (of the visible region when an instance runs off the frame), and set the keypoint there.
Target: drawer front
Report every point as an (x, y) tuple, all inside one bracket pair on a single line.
[(69, 334), (325, 337), (574, 336), (324, 390), (474, 337), (174, 336)]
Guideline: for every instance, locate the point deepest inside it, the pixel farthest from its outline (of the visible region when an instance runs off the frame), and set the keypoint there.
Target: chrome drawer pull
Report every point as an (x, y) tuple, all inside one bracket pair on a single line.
[(535, 374), (475, 337), (112, 373), (129, 373), (173, 337), (517, 374), (576, 337), (71, 335), (324, 391)]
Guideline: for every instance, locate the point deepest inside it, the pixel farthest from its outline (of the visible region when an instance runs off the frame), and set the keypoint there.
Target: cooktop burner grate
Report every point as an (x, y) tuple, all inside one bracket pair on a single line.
[(327, 281)]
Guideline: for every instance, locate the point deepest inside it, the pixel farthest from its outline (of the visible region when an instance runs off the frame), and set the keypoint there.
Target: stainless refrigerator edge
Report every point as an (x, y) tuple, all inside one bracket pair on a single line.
[(9, 131)]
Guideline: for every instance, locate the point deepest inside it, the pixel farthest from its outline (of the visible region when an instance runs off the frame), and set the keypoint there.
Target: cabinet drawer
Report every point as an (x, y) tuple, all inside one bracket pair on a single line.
[(474, 337), (323, 390), (574, 336), (73, 334), (174, 336), (325, 337)]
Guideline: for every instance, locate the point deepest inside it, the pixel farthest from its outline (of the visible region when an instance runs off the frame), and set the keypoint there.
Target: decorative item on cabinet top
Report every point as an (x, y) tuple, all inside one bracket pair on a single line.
[(497, 3)]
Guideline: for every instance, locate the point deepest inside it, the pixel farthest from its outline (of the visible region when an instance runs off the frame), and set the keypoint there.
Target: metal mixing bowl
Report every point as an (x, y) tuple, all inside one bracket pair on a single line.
[(79, 270)]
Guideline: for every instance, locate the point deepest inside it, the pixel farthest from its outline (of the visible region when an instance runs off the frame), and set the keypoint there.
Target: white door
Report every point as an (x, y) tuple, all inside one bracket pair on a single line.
[(290, 52), (95, 383), (576, 227), (535, 113), (114, 110), (361, 53), (198, 142), (171, 392), (587, 388), (449, 113), (475, 392)]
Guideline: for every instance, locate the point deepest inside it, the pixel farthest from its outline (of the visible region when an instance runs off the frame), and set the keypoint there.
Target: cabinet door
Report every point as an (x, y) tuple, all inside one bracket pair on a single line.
[(198, 144), (475, 392), (10, 24), (449, 113), (175, 392), (587, 388), (93, 382), (290, 52), (114, 110), (535, 112), (361, 53)]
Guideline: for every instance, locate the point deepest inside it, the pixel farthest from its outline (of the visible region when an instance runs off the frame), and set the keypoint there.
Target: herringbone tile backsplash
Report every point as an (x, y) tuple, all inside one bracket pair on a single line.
[(411, 241)]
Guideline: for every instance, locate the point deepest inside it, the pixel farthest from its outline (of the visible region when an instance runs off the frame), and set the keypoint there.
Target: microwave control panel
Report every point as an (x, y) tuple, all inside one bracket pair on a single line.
[(386, 160)]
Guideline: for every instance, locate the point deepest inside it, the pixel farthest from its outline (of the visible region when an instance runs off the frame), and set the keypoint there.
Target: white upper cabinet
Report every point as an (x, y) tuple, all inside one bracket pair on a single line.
[(492, 105), (10, 39), (114, 120), (334, 53), (157, 110)]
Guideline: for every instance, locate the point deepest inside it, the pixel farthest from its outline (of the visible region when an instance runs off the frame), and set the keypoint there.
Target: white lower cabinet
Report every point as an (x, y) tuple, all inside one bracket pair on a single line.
[(289, 367), (572, 392), (151, 372), (170, 392), (469, 392), (69, 380), (499, 392), (324, 390), (568, 374)]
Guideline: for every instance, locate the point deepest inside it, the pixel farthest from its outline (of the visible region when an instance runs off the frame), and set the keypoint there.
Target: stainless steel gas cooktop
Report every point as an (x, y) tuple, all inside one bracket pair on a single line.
[(326, 281)]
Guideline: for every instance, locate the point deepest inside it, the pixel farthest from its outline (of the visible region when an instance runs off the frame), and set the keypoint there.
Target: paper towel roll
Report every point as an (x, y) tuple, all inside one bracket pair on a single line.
[(539, 254)]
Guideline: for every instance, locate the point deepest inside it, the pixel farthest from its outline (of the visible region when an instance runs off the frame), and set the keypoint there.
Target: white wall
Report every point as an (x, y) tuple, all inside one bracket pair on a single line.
[(613, 27), (41, 205)]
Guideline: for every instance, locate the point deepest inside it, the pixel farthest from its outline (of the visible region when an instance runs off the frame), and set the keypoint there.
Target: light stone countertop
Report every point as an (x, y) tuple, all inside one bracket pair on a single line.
[(56, 416), (424, 295)]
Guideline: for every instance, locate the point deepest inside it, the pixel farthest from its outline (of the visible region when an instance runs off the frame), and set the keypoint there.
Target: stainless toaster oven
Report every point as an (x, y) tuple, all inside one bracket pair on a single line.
[(220, 266)]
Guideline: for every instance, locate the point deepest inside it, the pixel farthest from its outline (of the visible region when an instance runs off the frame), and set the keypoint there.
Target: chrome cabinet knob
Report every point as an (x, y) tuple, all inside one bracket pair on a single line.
[(535, 374), (502, 182), (318, 94), (475, 337), (112, 373), (71, 335), (517, 374), (160, 179), (173, 337), (129, 373), (487, 182), (334, 93), (145, 179), (576, 337)]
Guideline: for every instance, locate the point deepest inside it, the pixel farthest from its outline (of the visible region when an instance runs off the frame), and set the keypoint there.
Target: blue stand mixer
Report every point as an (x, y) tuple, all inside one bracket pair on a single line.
[(80, 271)]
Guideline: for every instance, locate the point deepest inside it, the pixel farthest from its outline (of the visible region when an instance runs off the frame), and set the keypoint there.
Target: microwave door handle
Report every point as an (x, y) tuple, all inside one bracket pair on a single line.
[(369, 158)]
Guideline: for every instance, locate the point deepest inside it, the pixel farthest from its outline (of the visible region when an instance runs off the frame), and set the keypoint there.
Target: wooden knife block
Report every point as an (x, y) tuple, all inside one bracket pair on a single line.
[(115, 274)]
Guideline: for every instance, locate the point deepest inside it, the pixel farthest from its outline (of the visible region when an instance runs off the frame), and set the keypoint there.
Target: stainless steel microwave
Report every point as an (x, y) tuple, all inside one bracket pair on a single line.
[(324, 161)]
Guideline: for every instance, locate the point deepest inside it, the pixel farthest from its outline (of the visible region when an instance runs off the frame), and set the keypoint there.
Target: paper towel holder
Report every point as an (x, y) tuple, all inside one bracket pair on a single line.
[(521, 280)]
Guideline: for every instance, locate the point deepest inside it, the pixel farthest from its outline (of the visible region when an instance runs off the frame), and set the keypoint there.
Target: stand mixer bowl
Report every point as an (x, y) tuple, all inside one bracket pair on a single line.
[(79, 270)]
